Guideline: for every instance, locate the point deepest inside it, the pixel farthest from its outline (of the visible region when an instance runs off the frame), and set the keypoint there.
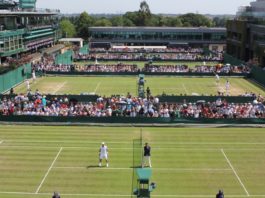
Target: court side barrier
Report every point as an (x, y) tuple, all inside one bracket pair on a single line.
[(228, 59), (258, 74), (172, 99), (75, 73), (194, 99), (74, 98), (14, 77), (126, 120)]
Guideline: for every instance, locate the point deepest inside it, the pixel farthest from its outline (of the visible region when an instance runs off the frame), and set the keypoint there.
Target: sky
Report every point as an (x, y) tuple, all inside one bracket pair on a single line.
[(156, 6)]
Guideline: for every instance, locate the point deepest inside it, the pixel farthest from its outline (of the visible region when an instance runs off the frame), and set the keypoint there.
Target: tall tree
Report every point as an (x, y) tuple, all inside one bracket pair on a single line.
[(196, 20), (127, 22), (83, 22), (130, 17), (144, 14), (103, 22), (67, 28), (117, 21)]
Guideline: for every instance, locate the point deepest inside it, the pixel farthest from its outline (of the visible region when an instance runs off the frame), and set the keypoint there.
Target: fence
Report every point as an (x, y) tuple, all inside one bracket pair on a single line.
[(258, 74), (14, 77), (228, 59), (128, 120), (65, 58), (84, 49)]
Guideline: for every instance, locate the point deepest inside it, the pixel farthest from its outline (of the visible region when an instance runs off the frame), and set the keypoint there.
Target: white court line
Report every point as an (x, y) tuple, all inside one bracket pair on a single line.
[(38, 189), (130, 148), (67, 141), (185, 89), (1, 141), (127, 195), (238, 178), (98, 85), (158, 169), (59, 87), (128, 142)]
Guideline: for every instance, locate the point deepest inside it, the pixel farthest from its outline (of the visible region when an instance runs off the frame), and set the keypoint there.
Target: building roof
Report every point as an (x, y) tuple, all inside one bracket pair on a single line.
[(159, 29), (37, 12), (71, 40)]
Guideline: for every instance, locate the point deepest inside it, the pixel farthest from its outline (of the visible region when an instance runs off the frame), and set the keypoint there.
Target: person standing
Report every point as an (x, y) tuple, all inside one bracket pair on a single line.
[(33, 75), (28, 85), (148, 92), (103, 154), (147, 156), (220, 194), (217, 78), (227, 88), (11, 91)]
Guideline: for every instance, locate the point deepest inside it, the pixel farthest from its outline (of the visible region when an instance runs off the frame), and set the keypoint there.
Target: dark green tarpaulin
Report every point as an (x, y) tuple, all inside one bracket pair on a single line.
[(173, 99), (126, 120)]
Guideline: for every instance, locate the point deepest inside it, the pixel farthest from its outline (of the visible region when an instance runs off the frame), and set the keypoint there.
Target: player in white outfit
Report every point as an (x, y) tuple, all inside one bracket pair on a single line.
[(28, 85), (103, 154), (227, 87), (33, 75), (217, 77)]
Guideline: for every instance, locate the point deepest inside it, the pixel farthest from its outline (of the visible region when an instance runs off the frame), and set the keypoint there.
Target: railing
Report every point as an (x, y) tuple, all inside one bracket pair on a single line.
[(46, 10)]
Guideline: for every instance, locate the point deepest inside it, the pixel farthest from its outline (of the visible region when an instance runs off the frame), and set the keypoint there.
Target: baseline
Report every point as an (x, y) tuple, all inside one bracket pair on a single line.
[(158, 169), (127, 195)]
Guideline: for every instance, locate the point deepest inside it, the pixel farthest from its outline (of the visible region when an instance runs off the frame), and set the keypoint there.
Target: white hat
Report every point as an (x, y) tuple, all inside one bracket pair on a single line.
[(103, 143)]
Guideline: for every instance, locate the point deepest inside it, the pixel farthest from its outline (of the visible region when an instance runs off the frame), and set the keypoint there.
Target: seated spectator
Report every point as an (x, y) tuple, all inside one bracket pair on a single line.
[(128, 106)]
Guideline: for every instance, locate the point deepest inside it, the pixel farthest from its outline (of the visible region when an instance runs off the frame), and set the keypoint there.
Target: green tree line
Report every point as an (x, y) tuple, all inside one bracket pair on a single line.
[(78, 26)]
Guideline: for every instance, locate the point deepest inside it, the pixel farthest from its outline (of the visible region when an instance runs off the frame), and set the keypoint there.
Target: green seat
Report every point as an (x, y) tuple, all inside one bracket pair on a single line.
[(144, 175)]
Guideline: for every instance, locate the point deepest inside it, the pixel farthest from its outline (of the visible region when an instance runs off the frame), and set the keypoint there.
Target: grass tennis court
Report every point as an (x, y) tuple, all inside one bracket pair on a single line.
[(122, 85), (187, 162)]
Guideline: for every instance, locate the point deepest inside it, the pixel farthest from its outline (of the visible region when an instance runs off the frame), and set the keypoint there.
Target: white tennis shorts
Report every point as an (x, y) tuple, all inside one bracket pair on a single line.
[(103, 156)]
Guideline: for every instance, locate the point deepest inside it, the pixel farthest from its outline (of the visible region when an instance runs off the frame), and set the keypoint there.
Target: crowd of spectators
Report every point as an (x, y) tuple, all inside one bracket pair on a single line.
[(145, 54), (226, 69), (123, 67), (166, 68), (129, 106), (148, 50), (151, 56), (40, 67), (107, 68)]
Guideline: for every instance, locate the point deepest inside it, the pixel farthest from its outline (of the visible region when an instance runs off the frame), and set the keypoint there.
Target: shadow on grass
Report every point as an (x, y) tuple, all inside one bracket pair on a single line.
[(92, 166)]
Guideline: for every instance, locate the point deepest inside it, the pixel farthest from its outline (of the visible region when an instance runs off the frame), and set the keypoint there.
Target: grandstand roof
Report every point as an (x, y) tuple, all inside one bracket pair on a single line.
[(159, 29), (37, 12), (71, 40)]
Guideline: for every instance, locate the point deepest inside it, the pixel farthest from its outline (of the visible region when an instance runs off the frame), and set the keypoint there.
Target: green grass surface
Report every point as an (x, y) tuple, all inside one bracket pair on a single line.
[(122, 85), (187, 162), (141, 64)]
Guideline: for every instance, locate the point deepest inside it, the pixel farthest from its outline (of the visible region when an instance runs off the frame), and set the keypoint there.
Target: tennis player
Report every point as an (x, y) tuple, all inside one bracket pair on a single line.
[(147, 156), (227, 87), (217, 78), (103, 154)]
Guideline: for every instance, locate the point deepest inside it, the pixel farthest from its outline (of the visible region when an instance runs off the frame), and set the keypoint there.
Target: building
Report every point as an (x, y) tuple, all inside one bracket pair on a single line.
[(256, 9), (212, 38), (246, 34), (23, 28)]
